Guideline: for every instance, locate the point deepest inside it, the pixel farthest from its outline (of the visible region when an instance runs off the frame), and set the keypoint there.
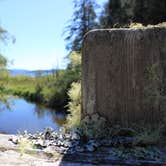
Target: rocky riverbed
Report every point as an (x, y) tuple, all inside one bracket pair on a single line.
[(74, 148)]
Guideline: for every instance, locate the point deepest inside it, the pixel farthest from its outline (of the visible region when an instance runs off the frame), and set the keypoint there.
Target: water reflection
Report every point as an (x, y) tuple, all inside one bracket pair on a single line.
[(57, 116), (24, 115)]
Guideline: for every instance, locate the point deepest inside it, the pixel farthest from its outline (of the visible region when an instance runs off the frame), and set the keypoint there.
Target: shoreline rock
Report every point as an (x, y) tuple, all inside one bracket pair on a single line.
[(120, 147)]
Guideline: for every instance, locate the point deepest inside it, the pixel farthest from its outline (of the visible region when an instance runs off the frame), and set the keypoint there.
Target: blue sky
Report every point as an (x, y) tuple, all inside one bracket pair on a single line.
[(37, 26)]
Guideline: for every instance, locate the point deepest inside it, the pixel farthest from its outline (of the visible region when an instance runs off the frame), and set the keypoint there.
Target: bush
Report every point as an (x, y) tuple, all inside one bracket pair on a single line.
[(74, 106)]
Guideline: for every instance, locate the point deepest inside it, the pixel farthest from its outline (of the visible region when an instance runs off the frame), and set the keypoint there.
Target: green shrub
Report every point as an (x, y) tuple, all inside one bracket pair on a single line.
[(74, 106), (51, 90)]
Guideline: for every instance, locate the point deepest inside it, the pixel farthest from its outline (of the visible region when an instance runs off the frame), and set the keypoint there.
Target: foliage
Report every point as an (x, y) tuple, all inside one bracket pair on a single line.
[(84, 20), (3, 62), (3, 71), (24, 145), (139, 25), (92, 126), (56, 92), (74, 106), (75, 60), (138, 153), (3, 34), (74, 93), (50, 90), (149, 12), (148, 136), (113, 15), (119, 13), (136, 25)]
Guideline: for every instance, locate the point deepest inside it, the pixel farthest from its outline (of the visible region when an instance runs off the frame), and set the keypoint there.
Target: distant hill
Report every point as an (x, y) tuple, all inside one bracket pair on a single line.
[(31, 73)]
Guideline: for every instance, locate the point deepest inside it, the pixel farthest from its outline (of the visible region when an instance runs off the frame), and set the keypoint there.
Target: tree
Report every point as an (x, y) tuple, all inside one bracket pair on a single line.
[(149, 11), (121, 13), (3, 60), (84, 20), (3, 72), (38, 73), (113, 14)]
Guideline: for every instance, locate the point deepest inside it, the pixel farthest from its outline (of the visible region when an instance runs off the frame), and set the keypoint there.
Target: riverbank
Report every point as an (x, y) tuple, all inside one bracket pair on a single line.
[(50, 147), (48, 90)]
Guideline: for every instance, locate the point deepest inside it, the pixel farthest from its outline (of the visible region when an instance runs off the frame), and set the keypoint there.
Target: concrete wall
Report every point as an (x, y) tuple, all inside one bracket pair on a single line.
[(123, 74)]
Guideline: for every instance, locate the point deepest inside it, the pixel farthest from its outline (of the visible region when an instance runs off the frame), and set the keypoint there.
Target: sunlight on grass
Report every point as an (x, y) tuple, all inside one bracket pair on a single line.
[(24, 144), (74, 118)]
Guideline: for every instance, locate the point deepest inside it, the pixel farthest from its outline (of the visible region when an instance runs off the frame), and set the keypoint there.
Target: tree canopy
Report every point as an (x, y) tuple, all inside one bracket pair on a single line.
[(149, 11), (121, 13), (84, 20), (113, 14)]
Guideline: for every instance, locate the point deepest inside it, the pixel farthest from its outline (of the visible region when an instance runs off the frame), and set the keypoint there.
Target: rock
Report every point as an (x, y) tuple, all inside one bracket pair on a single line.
[(79, 149), (59, 143), (30, 136), (40, 144), (37, 135), (90, 148), (25, 132), (127, 142), (67, 136), (14, 139), (54, 135), (75, 136), (47, 143), (75, 143), (67, 144), (70, 151), (61, 137), (62, 130), (94, 143), (47, 135), (106, 142), (126, 132)]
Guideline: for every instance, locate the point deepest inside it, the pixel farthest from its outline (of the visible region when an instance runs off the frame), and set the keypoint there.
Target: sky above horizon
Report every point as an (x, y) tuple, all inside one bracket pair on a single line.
[(38, 26)]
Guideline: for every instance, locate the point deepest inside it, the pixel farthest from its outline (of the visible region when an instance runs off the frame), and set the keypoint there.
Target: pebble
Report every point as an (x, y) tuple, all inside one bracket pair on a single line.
[(72, 143), (75, 136), (14, 139), (68, 143), (90, 148), (80, 149)]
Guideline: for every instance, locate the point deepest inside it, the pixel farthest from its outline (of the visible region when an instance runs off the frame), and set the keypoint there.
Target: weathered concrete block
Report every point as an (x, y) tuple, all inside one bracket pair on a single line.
[(124, 74)]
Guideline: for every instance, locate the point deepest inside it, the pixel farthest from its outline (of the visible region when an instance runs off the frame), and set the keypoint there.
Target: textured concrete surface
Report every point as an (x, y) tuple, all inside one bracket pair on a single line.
[(122, 74)]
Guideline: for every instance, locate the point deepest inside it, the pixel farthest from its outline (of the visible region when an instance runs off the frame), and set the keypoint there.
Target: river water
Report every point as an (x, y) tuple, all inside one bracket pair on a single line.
[(24, 115)]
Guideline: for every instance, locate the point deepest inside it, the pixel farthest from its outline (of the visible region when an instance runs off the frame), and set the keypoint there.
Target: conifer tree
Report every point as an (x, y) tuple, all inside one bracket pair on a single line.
[(149, 11), (84, 20), (113, 15)]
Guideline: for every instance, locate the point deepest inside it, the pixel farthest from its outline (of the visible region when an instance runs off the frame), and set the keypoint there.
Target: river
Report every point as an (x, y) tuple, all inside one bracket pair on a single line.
[(23, 115)]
